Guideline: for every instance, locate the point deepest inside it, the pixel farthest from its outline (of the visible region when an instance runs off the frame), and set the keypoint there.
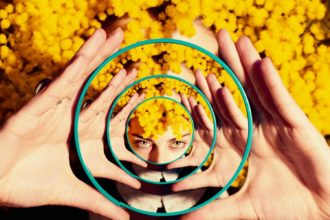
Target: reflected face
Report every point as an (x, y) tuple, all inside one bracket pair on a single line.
[(164, 149)]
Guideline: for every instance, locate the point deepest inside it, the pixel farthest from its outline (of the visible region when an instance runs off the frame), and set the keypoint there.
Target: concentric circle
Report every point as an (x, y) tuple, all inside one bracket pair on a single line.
[(171, 41), (114, 153), (130, 144)]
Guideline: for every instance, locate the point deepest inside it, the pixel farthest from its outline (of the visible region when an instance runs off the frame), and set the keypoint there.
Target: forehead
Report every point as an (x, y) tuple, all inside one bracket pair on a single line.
[(169, 134)]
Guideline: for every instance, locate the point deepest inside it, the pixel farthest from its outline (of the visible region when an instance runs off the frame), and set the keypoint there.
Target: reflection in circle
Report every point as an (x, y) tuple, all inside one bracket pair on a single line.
[(164, 137)]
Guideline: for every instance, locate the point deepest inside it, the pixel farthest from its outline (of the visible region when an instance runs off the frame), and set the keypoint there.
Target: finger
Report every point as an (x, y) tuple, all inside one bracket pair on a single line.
[(202, 84), (193, 107), (283, 101), (130, 157), (111, 44), (204, 118), (235, 113), (183, 162), (105, 99), (196, 181), (67, 85), (185, 102), (82, 196), (131, 76), (232, 207), (106, 169), (228, 51), (58, 89), (215, 88), (131, 104), (250, 59)]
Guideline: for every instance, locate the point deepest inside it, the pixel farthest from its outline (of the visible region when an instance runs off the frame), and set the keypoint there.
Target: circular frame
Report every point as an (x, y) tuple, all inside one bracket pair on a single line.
[(113, 108), (179, 42), (192, 127)]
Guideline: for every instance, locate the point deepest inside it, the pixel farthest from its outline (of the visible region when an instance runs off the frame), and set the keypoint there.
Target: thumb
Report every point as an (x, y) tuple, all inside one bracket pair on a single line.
[(82, 196), (231, 207)]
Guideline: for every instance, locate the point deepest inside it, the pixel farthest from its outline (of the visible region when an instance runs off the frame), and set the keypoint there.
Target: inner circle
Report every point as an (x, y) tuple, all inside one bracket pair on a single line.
[(108, 128), (163, 138)]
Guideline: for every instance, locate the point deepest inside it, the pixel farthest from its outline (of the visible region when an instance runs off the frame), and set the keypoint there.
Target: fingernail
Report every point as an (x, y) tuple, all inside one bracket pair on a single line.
[(87, 103), (97, 31), (213, 76), (133, 71), (117, 31), (42, 84)]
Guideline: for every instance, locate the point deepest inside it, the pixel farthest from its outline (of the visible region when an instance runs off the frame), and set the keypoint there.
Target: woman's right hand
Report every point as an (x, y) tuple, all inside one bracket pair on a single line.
[(230, 136), (288, 174)]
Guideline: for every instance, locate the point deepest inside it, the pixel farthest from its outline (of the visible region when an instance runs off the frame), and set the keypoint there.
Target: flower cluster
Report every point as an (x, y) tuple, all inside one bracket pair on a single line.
[(38, 37), (155, 116)]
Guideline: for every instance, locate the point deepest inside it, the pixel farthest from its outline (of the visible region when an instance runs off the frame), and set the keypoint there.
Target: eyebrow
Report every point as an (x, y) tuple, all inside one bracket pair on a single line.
[(174, 139), (139, 136)]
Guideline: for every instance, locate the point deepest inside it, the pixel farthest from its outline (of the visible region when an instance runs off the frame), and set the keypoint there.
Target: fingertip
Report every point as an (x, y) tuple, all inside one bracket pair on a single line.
[(122, 71), (222, 36), (143, 164), (133, 71), (199, 107), (142, 96), (183, 96), (225, 91), (210, 77), (191, 100), (136, 184), (198, 72), (243, 42), (266, 63), (100, 33), (176, 187), (118, 32)]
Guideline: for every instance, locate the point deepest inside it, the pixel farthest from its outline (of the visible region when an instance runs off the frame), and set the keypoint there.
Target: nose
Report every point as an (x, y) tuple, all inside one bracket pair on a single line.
[(159, 154)]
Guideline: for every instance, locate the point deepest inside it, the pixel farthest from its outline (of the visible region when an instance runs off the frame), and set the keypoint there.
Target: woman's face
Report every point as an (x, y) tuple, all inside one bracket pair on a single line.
[(164, 149)]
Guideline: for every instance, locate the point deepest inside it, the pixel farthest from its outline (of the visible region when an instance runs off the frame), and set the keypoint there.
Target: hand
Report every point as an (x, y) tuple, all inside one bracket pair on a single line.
[(117, 132), (289, 164), (34, 152), (92, 124), (230, 137)]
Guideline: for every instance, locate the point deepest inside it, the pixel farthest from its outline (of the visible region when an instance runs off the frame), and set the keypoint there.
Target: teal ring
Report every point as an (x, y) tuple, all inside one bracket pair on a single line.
[(113, 108), (206, 52), (192, 127)]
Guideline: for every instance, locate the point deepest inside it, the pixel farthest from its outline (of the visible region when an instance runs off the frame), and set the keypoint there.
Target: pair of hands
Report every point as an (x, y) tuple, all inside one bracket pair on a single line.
[(289, 162), (34, 153)]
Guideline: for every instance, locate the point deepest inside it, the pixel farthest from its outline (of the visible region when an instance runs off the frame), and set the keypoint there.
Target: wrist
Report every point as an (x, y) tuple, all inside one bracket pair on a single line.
[(9, 151)]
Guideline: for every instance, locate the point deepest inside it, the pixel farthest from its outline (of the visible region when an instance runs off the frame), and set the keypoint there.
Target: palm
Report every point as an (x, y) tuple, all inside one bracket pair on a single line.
[(230, 138), (289, 160), (36, 140)]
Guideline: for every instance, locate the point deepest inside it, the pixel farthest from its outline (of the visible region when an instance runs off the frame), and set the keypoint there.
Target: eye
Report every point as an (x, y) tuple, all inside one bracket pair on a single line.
[(177, 144), (143, 143)]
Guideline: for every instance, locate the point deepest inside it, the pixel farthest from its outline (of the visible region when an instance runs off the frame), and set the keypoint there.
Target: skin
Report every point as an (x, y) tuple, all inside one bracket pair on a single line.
[(164, 149), (35, 142), (289, 166)]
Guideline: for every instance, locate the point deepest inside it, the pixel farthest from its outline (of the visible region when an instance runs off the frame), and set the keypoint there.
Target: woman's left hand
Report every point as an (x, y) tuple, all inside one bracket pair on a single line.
[(230, 137)]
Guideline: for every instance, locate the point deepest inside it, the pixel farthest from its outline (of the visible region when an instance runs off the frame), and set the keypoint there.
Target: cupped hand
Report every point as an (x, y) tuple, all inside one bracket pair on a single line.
[(289, 166), (34, 153), (230, 136), (117, 132)]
